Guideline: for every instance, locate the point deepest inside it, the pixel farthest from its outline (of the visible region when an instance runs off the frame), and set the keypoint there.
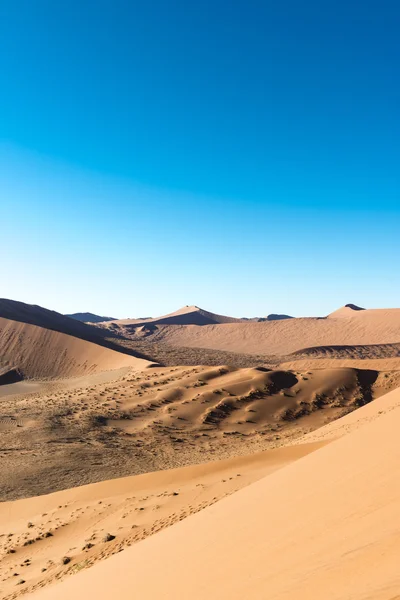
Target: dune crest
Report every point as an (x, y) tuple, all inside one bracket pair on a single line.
[(285, 336), (41, 353), (187, 315), (322, 527)]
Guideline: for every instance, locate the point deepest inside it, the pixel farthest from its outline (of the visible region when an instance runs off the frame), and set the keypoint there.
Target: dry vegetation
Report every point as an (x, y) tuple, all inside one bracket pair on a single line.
[(74, 413), (61, 436), (169, 356)]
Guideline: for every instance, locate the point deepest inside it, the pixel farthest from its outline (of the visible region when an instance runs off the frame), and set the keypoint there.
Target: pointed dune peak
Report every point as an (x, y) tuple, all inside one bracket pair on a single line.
[(348, 310), (187, 315), (354, 307)]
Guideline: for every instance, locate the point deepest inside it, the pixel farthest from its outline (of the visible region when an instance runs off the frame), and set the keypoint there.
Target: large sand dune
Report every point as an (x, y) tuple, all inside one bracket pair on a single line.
[(57, 435), (284, 337), (75, 522), (50, 319), (75, 412), (322, 527), (188, 315), (42, 353)]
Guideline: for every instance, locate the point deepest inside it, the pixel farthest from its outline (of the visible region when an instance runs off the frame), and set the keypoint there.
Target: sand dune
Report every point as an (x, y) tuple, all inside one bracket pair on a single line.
[(349, 310), (41, 353), (75, 522), (75, 412), (361, 352), (60, 434), (366, 314), (308, 364), (54, 321), (286, 336), (188, 315), (322, 527), (50, 319)]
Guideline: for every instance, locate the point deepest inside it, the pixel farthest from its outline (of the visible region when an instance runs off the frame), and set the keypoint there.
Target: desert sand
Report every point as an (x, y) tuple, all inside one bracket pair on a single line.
[(321, 527), (354, 328), (39, 532), (272, 475), (67, 432), (192, 315), (38, 352)]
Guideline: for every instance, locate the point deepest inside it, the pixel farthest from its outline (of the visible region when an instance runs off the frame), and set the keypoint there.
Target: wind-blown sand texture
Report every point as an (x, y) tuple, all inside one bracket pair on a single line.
[(39, 532), (192, 315), (74, 412), (60, 434), (284, 337), (323, 527)]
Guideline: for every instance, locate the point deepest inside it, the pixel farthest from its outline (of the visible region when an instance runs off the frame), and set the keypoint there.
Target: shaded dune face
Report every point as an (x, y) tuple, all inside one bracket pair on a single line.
[(240, 402), (124, 422), (188, 315), (9, 376), (365, 328), (36, 352), (51, 320), (355, 351), (91, 414), (323, 526)]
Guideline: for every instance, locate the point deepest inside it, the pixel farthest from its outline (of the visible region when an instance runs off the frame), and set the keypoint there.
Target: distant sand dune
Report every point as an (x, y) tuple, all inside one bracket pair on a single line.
[(303, 504), (366, 327), (188, 315)]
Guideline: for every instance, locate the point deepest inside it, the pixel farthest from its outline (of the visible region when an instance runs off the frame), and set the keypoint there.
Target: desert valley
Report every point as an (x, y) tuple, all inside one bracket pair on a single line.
[(259, 451), (242, 156)]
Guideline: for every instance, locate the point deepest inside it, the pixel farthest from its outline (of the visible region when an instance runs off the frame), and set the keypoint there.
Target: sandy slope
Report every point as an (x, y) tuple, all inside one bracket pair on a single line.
[(38, 352), (325, 526), (56, 435), (50, 319), (186, 315), (349, 310), (378, 364), (75, 522), (283, 337)]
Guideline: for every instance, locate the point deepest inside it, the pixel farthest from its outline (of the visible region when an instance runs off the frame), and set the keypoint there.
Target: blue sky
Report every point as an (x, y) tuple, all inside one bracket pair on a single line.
[(241, 156)]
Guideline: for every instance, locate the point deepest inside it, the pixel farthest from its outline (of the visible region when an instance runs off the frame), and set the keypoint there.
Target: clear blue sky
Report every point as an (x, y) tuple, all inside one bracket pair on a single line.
[(243, 156)]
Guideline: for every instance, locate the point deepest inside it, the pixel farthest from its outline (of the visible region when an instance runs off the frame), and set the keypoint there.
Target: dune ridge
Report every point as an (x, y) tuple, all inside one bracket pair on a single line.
[(42, 353), (74, 412), (369, 327), (51, 320), (75, 522), (192, 315), (122, 422), (329, 532)]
